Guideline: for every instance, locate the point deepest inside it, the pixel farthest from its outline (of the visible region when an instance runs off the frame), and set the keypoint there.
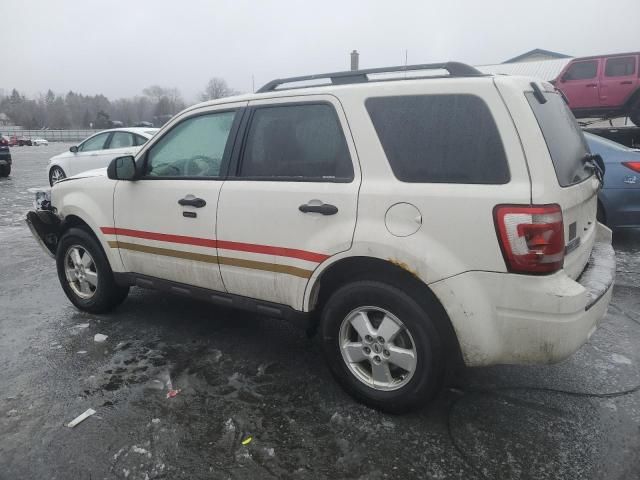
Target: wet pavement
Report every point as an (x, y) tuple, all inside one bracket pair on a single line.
[(242, 376)]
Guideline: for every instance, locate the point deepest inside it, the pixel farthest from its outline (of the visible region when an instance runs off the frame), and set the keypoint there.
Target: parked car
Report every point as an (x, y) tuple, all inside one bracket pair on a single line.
[(602, 86), (15, 141), (97, 151), (39, 141), (619, 200), (5, 157), (412, 221)]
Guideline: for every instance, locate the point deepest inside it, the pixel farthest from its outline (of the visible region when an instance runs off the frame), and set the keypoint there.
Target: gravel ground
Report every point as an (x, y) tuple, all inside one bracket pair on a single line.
[(242, 376)]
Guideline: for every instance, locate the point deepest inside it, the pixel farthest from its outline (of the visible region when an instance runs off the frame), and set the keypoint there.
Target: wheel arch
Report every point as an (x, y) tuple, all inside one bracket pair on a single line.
[(356, 268), (77, 221), (633, 100)]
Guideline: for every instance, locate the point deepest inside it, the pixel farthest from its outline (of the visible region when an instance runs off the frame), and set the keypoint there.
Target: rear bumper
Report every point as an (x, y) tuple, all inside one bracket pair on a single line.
[(622, 206), (502, 318)]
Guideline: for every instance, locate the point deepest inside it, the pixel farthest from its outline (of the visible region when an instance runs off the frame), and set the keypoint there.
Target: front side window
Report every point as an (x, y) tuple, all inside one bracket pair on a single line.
[(193, 148), (121, 140), (582, 71), (296, 142), (94, 143), (620, 67), (439, 139)]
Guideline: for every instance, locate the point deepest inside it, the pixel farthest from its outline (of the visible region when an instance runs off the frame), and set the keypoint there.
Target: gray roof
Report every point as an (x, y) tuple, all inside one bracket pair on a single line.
[(542, 69), (537, 51)]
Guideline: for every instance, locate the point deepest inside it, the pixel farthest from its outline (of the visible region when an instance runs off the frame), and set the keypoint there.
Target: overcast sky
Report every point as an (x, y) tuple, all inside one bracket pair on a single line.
[(119, 47)]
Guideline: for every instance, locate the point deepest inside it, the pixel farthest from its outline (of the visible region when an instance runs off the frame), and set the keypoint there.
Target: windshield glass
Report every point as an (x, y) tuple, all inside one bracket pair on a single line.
[(565, 141)]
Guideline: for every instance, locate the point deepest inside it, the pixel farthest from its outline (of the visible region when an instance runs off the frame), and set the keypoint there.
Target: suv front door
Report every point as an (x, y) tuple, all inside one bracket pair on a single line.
[(291, 197), (165, 221), (580, 84)]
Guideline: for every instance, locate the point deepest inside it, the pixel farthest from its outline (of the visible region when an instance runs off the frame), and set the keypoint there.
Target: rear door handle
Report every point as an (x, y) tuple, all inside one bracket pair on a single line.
[(192, 202), (324, 209), (591, 85)]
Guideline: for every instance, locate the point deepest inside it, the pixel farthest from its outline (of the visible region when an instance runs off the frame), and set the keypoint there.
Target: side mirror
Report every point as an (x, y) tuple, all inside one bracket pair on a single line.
[(122, 168), (73, 149)]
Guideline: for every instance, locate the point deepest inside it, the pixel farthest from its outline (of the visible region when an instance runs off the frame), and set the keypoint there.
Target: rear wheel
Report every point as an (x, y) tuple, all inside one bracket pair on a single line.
[(382, 346), (85, 274), (635, 115), (55, 175), (5, 170)]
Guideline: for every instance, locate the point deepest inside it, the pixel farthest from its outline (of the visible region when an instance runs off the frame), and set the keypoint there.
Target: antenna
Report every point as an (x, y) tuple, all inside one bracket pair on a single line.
[(406, 59)]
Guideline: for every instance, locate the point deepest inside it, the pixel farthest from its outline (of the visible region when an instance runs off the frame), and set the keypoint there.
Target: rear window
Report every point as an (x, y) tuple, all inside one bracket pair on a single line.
[(439, 139), (565, 141)]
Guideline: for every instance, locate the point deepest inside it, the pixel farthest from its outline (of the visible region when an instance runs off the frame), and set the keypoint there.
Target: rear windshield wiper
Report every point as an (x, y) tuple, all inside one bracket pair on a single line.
[(594, 162)]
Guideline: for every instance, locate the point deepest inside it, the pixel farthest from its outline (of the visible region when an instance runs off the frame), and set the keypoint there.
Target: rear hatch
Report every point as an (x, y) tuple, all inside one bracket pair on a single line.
[(556, 148)]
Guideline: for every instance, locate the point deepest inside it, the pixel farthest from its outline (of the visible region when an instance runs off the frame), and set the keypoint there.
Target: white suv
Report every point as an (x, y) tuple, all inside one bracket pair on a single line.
[(413, 221)]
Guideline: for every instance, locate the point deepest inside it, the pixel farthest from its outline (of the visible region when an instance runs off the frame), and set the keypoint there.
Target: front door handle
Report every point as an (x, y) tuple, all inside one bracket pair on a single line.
[(192, 202), (626, 82), (324, 209)]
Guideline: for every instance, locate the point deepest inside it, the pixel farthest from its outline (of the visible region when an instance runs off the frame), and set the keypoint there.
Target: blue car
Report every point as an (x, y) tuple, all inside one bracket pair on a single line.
[(619, 200)]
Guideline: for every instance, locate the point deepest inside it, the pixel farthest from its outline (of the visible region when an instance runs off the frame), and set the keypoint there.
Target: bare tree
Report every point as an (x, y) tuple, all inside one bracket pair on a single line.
[(217, 88)]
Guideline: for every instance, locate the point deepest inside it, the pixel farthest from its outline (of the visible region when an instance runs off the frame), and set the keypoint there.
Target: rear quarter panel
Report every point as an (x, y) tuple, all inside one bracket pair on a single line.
[(455, 231)]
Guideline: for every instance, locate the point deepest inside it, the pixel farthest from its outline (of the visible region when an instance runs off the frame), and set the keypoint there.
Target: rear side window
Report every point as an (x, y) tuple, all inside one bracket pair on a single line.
[(620, 67), (439, 139), (296, 142), (139, 140), (581, 71), (565, 141)]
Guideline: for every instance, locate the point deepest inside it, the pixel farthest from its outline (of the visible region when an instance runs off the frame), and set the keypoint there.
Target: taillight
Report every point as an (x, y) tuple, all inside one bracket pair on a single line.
[(635, 166), (531, 237)]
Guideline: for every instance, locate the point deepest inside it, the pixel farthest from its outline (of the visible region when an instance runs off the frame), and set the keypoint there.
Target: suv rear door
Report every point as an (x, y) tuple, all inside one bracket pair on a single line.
[(619, 80), (555, 148), (291, 197)]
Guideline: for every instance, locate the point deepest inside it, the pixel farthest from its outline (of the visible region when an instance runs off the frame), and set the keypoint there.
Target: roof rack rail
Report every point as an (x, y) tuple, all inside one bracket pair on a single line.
[(455, 69)]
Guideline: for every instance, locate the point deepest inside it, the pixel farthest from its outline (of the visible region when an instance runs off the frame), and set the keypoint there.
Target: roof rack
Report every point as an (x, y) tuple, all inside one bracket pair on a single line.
[(455, 69)]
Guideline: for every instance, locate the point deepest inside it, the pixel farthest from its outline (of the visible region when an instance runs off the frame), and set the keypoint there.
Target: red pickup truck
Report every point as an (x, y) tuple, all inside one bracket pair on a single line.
[(603, 86)]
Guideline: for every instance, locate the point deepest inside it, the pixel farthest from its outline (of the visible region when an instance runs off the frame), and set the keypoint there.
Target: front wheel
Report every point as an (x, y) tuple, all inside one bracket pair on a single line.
[(55, 175), (85, 274), (5, 170), (382, 346)]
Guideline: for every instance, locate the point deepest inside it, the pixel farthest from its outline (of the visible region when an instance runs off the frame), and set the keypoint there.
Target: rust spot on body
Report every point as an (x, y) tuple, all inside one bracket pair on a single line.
[(403, 266)]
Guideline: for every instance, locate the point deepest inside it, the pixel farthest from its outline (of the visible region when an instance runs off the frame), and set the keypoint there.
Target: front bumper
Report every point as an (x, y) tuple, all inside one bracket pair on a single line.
[(44, 226), (503, 318)]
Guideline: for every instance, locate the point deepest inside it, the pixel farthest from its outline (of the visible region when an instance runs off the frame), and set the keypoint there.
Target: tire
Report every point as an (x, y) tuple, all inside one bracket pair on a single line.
[(56, 174), (5, 170), (88, 283), (634, 115), (403, 389), (601, 215)]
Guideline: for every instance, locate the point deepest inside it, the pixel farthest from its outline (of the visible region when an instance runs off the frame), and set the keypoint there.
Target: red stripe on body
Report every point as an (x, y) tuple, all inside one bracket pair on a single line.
[(222, 244)]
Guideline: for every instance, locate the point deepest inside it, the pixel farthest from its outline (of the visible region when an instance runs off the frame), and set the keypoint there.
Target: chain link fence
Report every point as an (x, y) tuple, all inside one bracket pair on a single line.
[(50, 135)]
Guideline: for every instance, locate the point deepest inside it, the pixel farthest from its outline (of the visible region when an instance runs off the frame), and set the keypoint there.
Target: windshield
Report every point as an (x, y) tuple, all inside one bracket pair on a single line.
[(565, 141)]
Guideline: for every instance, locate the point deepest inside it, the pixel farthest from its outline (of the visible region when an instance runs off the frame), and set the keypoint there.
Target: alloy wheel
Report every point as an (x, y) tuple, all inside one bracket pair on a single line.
[(80, 271), (377, 348)]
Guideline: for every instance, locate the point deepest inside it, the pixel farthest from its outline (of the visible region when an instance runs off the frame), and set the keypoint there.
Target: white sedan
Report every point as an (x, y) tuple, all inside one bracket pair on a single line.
[(36, 142), (97, 151)]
